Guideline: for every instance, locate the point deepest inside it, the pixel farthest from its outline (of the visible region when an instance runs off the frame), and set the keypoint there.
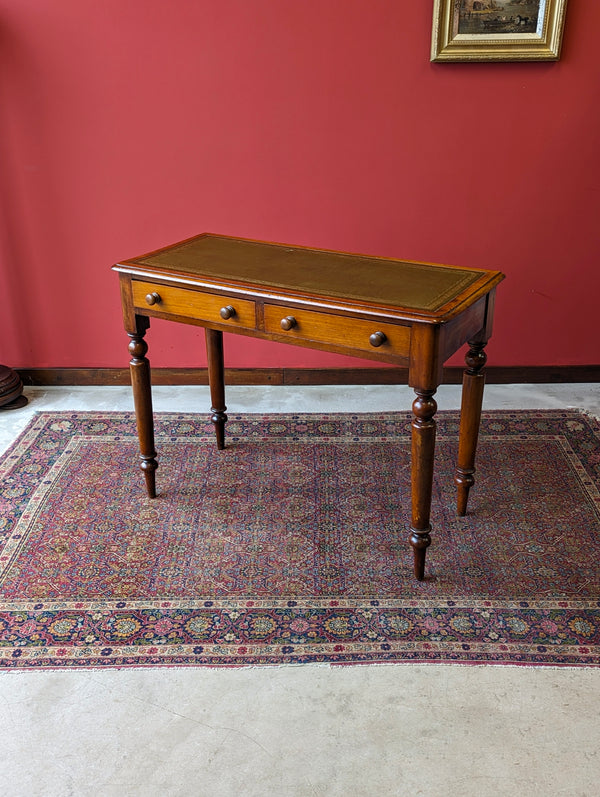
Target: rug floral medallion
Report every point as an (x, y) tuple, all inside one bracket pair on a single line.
[(290, 546)]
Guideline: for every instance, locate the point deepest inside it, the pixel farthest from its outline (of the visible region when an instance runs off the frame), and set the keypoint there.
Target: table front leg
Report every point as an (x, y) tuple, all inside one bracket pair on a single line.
[(139, 368), (470, 418), (216, 379), (423, 453)]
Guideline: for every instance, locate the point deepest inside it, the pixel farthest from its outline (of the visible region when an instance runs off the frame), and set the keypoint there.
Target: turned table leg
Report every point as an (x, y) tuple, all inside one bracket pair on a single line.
[(139, 368), (423, 452), (216, 379), (470, 418)]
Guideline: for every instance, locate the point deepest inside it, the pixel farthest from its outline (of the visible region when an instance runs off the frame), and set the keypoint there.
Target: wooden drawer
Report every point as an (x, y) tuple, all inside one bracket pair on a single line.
[(194, 304), (351, 333)]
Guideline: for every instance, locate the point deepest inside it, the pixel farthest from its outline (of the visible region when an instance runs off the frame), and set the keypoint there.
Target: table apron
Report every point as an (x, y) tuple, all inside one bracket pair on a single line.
[(327, 330)]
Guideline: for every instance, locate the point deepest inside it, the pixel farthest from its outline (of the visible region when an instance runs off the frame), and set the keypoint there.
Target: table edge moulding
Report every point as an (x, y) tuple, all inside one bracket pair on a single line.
[(414, 315)]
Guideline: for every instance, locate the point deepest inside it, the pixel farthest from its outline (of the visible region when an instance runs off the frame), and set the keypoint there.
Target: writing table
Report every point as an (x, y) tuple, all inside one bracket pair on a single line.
[(410, 314)]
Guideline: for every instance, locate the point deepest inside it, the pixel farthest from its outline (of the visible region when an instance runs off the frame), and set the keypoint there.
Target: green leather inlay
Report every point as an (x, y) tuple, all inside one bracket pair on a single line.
[(376, 281)]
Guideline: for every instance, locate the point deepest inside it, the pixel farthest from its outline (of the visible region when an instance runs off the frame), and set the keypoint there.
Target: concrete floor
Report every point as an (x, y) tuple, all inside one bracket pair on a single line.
[(300, 730)]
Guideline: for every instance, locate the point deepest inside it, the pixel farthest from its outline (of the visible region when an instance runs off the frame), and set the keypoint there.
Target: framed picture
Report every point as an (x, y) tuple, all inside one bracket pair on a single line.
[(497, 30)]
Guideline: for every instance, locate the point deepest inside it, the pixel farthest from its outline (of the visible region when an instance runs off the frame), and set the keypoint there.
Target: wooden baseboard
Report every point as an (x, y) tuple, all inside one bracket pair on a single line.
[(543, 374)]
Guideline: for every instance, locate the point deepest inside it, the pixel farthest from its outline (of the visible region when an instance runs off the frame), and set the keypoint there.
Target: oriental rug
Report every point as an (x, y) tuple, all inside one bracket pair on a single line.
[(290, 546)]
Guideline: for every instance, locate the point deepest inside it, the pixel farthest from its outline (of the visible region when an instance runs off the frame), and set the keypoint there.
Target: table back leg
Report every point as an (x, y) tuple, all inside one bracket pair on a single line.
[(470, 418), (216, 379)]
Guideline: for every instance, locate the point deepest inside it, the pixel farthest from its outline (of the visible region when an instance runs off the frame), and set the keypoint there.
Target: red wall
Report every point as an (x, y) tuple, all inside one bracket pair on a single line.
[(130, 124)]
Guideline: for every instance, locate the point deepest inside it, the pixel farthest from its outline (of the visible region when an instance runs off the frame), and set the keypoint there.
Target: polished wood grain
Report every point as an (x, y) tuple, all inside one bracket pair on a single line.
[(331, 329), (183, 303), (422, 452), (216, 376), (470, 418), (142, 396), (411, 315)]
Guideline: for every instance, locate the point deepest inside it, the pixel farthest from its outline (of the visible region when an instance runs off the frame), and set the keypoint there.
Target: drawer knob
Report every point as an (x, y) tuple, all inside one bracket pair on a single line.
[(227, 312), (377, 338), (153, 298), (288, 322)]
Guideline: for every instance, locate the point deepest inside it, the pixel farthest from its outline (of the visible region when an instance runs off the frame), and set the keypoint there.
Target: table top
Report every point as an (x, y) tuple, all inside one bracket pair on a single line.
[(425, 289)]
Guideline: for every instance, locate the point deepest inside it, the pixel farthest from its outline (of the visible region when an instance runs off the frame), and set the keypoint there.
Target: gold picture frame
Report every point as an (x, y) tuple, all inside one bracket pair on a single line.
[(497, 30)]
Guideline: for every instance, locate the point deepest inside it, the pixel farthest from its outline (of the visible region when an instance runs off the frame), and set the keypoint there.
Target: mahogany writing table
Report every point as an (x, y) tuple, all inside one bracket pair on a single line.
[(414, 315)]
